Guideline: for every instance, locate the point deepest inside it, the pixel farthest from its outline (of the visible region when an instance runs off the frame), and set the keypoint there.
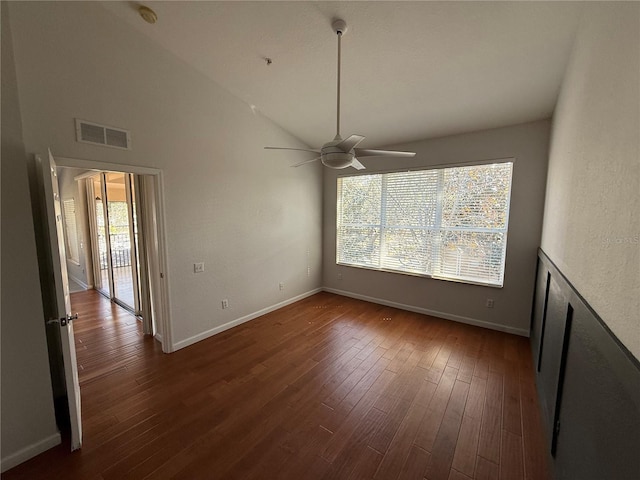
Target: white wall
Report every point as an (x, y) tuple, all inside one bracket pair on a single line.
[(28, 423), (69, 188), (528, 144), (591, 225), (254, 221)]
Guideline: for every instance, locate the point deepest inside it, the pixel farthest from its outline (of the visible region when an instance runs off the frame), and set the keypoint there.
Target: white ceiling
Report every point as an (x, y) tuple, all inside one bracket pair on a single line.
[(411, 70)]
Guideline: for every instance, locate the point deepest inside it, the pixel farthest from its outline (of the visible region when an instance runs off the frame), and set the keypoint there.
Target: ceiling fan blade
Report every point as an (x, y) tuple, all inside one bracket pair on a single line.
[(356, 164), (287, 148), (306, 161), (348, 143), (363, 152)]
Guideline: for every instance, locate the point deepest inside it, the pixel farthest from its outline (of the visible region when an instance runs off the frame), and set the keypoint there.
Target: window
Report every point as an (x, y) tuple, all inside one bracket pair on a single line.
[(71, 237), (447, 223)]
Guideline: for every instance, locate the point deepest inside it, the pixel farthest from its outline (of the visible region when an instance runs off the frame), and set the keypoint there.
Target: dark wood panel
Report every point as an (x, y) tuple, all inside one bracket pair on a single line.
[(597, 402), (599, 434), (539, 312), (326, 388), (551, 354)]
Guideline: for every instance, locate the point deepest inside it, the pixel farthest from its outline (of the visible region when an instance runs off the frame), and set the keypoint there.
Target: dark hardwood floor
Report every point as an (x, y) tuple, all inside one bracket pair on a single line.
[(326, 388)]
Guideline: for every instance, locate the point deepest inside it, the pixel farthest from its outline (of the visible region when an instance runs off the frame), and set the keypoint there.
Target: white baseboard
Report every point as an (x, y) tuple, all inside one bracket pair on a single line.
[(30, 451), (233, 323), (447, 316), (80, 282)]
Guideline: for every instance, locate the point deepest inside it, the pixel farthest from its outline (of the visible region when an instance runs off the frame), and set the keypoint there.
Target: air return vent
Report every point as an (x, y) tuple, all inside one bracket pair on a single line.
[(89, 132)]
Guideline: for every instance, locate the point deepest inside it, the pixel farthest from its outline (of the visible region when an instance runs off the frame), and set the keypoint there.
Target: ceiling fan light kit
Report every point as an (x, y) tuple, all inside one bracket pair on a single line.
[(340, 153)]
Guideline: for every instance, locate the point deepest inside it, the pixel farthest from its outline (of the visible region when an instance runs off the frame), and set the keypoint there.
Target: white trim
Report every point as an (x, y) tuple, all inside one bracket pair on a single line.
[(158, 181), (30, 451), (80, 282), (165, 298), (447, 316), (241, 320), (437, 166), (103, 167)]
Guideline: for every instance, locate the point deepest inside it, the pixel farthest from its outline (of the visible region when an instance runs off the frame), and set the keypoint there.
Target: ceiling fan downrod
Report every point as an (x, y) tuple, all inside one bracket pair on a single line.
[(340, 27), (340, 153)]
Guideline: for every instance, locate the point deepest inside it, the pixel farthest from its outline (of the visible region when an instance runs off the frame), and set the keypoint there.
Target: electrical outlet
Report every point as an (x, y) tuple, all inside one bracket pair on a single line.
[(225, 304), (489, 303), (281, 286), (308, 271), (198, 267), (339, 276)]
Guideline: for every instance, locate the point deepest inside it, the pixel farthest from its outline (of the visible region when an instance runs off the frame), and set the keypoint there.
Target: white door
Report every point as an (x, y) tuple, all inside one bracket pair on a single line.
[(61, 282)]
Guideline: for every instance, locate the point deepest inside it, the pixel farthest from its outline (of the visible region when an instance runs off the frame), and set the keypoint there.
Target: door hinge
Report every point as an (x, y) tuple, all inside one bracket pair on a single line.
[(62, 321)]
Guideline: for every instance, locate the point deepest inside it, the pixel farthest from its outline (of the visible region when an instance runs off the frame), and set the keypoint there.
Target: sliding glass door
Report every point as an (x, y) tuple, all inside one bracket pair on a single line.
[(120, 239), (115, 242), (102, 269)]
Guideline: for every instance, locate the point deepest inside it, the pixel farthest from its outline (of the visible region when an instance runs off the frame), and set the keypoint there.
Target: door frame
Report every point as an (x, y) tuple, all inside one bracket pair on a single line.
[(162, 310)]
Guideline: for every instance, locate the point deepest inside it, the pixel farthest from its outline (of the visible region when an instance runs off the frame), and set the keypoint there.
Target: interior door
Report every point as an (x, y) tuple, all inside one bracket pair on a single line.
[(62, 310)]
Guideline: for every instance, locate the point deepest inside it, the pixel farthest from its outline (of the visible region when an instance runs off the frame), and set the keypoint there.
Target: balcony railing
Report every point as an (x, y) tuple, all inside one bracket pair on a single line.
[(120, 250)]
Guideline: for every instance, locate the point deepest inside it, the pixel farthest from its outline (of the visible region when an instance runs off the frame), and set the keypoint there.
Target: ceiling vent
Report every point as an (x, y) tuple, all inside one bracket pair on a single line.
[(96, 134)]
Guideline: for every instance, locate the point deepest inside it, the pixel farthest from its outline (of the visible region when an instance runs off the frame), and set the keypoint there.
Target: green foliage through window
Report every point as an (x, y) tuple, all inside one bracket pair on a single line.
[(448, 223)]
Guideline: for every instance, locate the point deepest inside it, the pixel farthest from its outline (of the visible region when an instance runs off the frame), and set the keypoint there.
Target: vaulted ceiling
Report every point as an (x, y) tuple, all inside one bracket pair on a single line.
[(411, 70)]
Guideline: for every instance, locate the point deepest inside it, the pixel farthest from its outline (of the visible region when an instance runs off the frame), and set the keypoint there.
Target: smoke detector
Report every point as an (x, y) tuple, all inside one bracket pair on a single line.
[(147, 14)]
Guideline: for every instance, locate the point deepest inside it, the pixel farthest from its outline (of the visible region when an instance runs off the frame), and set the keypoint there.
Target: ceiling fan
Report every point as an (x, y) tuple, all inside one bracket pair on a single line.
[(342, 153)]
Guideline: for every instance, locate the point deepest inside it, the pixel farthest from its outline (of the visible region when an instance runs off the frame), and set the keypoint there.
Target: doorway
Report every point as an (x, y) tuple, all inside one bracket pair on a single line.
[(151, 262), (126, 257)]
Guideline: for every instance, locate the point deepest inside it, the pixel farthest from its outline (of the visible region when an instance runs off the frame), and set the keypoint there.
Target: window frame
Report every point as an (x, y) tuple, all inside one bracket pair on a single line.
[(437, 226), (71, 234)]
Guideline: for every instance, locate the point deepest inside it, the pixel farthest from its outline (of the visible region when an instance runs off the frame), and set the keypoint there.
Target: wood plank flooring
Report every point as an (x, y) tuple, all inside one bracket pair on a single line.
[(326, 388)]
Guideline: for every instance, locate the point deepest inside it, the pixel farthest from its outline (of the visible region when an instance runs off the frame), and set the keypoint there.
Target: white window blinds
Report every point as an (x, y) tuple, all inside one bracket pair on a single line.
[(71, 230), (448, 223)]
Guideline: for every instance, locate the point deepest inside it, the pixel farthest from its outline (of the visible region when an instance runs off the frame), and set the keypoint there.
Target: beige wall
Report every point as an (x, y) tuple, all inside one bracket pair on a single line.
[(28, 423), (254, 221), (592, 222), (528, 144)]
